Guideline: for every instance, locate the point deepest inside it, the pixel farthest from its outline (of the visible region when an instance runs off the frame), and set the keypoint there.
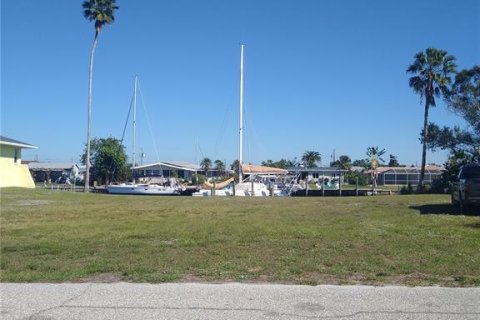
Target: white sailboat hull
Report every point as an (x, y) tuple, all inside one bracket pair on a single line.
[(218, 193), (243, 189), (143, 189)]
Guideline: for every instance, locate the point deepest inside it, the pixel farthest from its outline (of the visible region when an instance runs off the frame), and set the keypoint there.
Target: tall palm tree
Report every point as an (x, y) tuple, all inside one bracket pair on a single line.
[(102, 12), (311, 158), (431, 72)]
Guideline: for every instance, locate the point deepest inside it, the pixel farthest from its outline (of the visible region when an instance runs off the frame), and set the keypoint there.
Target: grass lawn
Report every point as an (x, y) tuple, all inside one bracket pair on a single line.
[(54, 236)]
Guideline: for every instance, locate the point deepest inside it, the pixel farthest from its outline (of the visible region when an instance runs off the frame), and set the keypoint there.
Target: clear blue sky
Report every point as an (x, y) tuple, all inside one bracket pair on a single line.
[(319, 75)]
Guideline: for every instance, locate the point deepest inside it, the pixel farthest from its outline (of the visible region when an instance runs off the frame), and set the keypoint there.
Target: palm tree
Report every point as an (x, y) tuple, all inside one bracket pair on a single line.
[(219, 166), (374, 155), (431, 72), (310, 158), (235, 166), (102, 12), (206, 164)]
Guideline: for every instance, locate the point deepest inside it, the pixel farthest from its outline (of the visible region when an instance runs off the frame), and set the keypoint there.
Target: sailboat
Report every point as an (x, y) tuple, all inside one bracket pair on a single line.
[(169, 188), (244, 187)]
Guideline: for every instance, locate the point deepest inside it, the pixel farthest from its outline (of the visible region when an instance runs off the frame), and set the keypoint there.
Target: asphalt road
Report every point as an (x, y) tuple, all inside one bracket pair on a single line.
[(234, 301)]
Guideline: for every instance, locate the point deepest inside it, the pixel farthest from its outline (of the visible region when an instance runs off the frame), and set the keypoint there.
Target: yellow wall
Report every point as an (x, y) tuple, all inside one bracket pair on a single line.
[(13, 174)]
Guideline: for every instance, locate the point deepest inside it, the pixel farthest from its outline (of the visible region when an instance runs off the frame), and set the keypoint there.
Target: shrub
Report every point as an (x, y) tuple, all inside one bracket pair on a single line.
[(198, 179), (440, 186), (351, 177), (407, 189)]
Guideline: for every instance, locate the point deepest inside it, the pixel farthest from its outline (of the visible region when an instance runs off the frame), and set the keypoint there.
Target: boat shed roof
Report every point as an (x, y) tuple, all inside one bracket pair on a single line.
[(15, 143), (51, 166), (254, 169)]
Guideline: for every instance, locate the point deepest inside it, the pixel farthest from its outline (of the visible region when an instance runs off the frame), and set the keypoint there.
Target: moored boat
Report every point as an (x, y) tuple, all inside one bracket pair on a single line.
[(170, 187), (143, 189)]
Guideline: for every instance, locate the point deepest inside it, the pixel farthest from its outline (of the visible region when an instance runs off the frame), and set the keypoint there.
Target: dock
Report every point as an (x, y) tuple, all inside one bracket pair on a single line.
[(343, 193)]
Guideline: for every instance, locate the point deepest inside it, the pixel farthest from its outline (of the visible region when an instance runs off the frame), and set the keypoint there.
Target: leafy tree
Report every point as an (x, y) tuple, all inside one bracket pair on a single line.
[(431, 72), (268, 163), (285, 164), (455, 161), (393, 161), (102, 12), (361, 163), (310, 158), (282, 163), (235, 166), (464, 144), (93, 148), (343, 162), (206, 164), (109, 160), (352, 176), (453, 139), (464, 98)]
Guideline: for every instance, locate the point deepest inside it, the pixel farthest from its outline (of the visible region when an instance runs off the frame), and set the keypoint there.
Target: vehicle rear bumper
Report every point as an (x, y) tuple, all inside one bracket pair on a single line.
[(472, 201)]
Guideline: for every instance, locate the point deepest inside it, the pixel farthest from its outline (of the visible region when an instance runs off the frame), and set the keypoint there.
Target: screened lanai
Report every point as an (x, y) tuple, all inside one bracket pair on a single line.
[(408, 175)]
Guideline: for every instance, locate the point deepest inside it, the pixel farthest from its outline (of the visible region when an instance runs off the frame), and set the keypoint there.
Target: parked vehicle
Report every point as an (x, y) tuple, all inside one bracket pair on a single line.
[(466, 189)]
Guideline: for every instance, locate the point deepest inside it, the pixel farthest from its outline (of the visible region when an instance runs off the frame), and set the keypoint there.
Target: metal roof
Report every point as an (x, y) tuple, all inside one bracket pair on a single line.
[(54, 166), (15, 143)]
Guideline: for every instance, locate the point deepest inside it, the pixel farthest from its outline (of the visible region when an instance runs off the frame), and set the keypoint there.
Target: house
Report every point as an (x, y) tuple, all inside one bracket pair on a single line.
[(12, 172), (318, 173), (55, 171), (166, 169)]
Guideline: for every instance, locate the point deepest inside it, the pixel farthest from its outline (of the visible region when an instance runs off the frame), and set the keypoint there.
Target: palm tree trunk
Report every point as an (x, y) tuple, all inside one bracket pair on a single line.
[(89, 121), (424, 147)]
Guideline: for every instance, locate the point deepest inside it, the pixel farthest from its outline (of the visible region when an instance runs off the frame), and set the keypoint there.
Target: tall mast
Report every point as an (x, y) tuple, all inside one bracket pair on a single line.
[(134, 124), (240, 160)]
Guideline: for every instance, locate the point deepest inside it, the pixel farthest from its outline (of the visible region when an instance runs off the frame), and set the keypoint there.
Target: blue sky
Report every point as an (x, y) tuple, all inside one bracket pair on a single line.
[(319, 75)]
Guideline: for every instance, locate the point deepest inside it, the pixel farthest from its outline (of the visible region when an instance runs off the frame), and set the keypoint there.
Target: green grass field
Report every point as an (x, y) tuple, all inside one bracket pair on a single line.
[(54, 236)]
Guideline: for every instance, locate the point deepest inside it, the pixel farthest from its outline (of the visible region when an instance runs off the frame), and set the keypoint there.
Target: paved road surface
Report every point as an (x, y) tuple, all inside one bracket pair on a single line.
[(234, 301)]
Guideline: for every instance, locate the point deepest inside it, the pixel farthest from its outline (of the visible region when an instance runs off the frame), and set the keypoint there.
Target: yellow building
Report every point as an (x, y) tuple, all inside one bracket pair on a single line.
[(12, 172)]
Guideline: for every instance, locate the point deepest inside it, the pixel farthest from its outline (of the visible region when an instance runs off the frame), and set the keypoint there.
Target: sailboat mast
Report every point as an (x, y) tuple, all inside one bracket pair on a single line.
[(240, 160), (134, 124)]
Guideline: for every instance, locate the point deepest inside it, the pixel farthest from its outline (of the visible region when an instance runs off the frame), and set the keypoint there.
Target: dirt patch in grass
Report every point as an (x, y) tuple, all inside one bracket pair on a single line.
[(31, 202)]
